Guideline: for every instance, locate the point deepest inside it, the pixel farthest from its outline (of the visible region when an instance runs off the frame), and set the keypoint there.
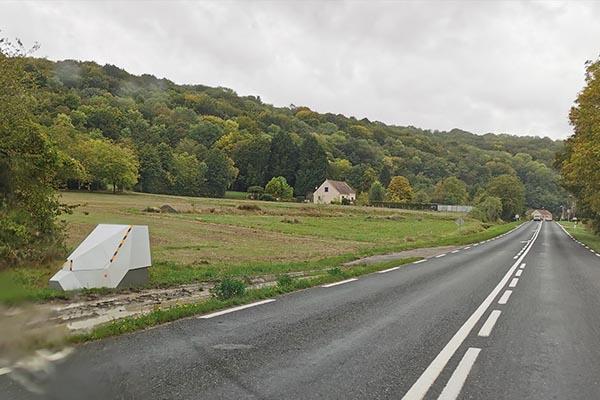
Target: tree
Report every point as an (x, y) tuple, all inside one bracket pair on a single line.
[(279, 188), (28, 202), (312, 166), (509, 189), (488, 209), (189, 175), (109, 163), (361, 177), (220, 173), (376, 192), (399, 190), (451, 191), (283, 158), (251, 157)]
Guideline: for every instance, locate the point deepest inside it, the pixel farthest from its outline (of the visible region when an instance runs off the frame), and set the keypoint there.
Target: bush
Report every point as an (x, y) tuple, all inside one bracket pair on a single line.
[(279, 188), (267, 197), (229, 288), (489, 209), (254, 192)]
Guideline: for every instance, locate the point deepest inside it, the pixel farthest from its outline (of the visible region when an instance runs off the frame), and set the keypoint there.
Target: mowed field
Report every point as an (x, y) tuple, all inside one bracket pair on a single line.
[(211, 238)]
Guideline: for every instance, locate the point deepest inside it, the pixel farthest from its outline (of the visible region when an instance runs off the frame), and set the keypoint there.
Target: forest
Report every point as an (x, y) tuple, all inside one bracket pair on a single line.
[(83, 126), (152, 135)]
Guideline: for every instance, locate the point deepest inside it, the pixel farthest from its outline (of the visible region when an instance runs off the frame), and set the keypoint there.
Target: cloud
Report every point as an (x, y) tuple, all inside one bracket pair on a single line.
[(506, 67)]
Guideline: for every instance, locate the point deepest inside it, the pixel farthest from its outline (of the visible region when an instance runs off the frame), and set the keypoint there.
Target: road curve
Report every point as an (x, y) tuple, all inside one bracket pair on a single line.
[(513, 317)]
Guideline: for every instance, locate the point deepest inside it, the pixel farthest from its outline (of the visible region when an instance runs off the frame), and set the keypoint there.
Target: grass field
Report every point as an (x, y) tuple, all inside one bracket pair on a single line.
[(583, 234), (212, 238)]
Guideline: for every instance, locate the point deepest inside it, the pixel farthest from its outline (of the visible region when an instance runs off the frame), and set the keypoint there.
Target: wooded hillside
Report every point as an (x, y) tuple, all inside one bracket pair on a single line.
[(124, 131)]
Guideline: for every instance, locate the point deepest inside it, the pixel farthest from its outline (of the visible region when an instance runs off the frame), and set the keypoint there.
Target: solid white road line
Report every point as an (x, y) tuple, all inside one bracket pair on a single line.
[(229, 310), (522, 265), (387, 270), (519, 272), (420, 388), (340, 282), (505, 297), (487, 327), (440, 255), (4, 371), (513, 283), (420, 261), (458, 378)]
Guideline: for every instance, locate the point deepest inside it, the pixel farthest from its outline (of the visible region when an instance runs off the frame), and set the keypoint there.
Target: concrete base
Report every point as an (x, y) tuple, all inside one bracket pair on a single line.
[(134, 277)]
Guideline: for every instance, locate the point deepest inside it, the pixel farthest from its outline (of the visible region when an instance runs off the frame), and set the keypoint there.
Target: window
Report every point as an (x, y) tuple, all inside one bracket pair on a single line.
[(326, 189)]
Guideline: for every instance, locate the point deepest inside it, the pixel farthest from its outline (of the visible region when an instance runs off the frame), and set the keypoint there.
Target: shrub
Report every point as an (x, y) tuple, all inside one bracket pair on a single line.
[(254, 192), (279, 188), (229, 288), (267, 197)]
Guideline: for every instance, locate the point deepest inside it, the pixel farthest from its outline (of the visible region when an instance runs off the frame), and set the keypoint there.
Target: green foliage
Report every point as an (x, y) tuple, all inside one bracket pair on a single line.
[(220, 173), (511, 192), (312, 166), (157, 119), (376, 192), (29, 230), (229, 288), (580, 161), (451, 191), (189, 174), (399, 190), (284, 281), (254, 192), (488, 209), (284, 157), (279, 188)]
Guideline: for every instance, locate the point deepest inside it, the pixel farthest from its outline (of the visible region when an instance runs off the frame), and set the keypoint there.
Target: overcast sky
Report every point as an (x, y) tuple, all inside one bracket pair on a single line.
[(503, 67)]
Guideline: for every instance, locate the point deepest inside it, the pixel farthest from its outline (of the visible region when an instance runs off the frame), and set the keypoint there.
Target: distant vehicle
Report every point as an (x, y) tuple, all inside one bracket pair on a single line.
[(537, 217)]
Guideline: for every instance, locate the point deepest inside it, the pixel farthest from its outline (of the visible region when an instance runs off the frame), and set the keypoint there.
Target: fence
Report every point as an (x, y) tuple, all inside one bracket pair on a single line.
[(423, 206)]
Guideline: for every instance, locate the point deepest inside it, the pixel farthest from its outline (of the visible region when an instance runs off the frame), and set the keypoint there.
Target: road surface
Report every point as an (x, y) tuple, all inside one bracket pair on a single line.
[(511, 318)]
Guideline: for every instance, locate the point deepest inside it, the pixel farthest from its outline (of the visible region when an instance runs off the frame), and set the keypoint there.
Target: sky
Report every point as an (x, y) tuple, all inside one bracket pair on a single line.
[(502, 67)]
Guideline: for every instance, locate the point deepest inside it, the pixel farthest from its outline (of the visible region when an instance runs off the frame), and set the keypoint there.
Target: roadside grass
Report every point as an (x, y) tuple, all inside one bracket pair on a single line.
[(213, 238), (583, 234), (161, 316)]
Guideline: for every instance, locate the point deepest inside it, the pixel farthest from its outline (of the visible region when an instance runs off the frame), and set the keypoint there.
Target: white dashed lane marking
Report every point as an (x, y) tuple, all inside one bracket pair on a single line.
[(339, 283), (487, 327), (505, 297), (457, 380)]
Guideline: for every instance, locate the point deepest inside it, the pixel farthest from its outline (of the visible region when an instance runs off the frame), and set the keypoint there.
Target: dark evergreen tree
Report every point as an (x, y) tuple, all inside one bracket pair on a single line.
[(312, 166), (283, 159)]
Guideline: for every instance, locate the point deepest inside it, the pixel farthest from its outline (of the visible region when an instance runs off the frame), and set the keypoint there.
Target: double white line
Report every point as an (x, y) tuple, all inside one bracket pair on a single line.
[(420, 388)]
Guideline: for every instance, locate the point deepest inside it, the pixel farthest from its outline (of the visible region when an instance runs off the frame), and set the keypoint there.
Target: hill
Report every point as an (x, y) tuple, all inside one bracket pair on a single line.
[(161, 137)]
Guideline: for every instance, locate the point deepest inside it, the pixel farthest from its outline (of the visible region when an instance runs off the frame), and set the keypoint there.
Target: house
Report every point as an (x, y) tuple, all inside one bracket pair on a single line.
[(539, 215), (332, 191)]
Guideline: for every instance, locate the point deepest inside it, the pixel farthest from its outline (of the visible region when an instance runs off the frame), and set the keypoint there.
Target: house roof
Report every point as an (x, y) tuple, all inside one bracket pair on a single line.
[(341, 187)]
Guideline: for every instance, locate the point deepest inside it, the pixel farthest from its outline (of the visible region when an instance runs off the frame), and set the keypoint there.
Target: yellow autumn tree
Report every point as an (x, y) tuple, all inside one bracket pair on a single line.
[(399, 190)]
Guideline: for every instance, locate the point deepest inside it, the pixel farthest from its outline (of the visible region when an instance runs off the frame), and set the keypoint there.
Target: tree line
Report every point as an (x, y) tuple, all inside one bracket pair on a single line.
[(107, 129)]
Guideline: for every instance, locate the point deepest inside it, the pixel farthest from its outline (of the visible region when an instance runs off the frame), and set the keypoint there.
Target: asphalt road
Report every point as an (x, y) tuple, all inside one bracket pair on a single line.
[(443, 328)]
